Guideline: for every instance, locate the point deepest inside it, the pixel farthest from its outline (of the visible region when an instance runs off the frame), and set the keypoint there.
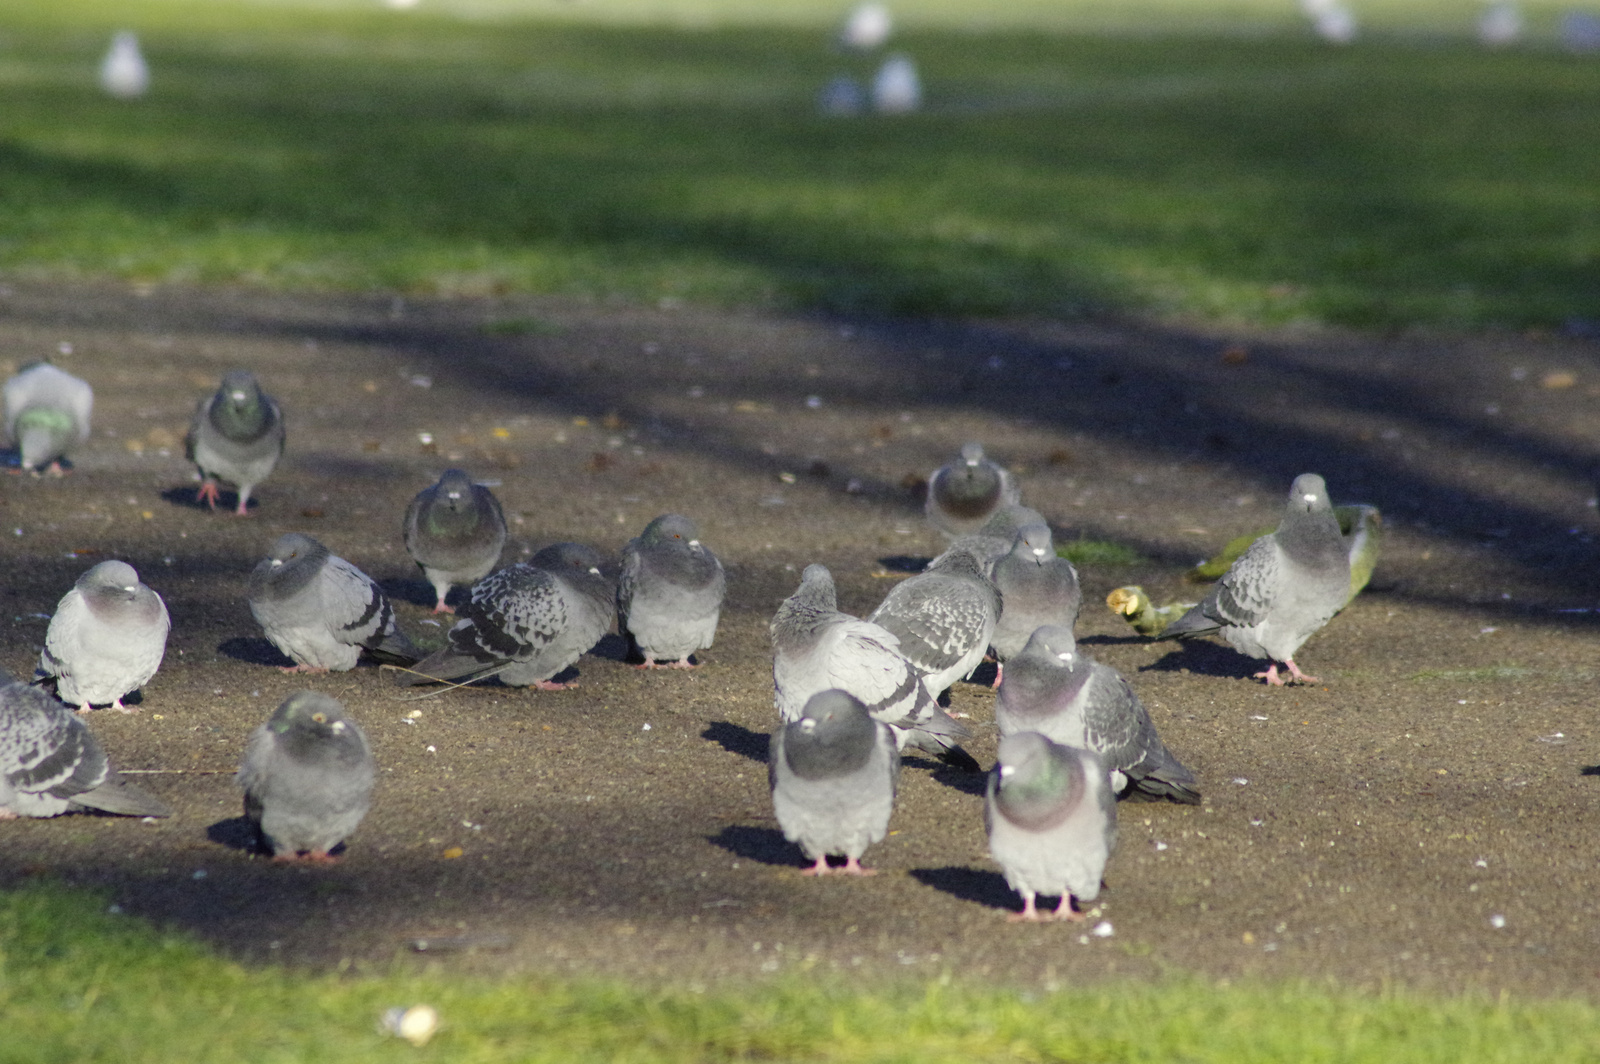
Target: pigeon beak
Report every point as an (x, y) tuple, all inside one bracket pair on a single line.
[(337, 727), (807, 725), (593, 570), (1038, 552), (694, 543), (237, 397), (452, 495), (277, 562), (130, 588), (1065, 657), (1006, 770), (1309, 499)]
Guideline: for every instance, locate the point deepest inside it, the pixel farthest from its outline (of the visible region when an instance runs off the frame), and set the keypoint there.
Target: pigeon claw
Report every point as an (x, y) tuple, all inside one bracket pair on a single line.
[(440, 607), (819, 869), (209, 494), (852, 867), (291, 669), (549, 685)]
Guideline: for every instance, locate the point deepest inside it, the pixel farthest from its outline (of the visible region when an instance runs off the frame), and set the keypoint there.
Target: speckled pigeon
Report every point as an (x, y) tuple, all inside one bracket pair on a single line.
[(47, 415), (1037, 587), (454, 531), (963, 495), (307, 776), (50, 763), (943, 617), (237, 436), (997, 536), (670, 595), (833, 775), (106, 638)]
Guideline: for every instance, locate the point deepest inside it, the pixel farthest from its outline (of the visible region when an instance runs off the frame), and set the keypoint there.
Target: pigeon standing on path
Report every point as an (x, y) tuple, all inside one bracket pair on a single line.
[(454, 531), (322, 611), (833, 775), (106, 638), (963, 495), (1282, 589), (307, 776), (1037, 588), (670, 594), (47, 415), (236, 436), (50, 763), (943, 617), (1063, 694), (1052, 822)]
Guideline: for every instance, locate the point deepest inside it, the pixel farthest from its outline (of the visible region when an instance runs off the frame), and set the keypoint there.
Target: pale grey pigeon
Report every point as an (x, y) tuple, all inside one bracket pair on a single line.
[(527, 622), (50, 763), (454, 531), (1056, 690), (1282, 589), (833, 775), (866, 27), (124, 72), (670, 594), (47, 415), (1052, 822), (322, 611), (237, 435), (1037, 588), (815, 648), (963, 495), (997, 536), (943, 617), (106, 638), (307, 777)]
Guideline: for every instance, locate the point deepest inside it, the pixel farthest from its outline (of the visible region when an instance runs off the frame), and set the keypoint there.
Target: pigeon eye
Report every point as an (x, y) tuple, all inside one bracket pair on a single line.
[(320, 718)]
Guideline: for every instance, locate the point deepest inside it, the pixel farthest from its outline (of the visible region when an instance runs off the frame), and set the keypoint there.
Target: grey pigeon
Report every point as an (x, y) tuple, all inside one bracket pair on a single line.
[(50, 763), (1037, 587), (454, 531), (307, 777), (527, 622), (322, 611), (1052, 822), (47, 415), (833, 775), (963, 495), (1282, 589), (106, 638), (670, 594), (943, 617), (997, 536), (1054, 689), (815, 647), (236, 436)]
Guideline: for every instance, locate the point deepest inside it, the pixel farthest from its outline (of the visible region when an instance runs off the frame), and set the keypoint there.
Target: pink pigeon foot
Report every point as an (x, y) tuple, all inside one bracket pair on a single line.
[(299, 668), (820, 868), (681, 663), (85, 709), (852, 867), (549, 685), (440, 607), (6, 814), (999, 671), (1296, 674), (1271, 675), (1028, 913), (208, 494), (116, 704), (1068, 909)]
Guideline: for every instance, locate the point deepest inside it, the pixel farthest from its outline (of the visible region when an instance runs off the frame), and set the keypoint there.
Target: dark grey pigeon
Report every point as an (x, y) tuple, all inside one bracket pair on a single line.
[(454, 531), (1056, 690), (322, 611), (236, 436), (670, 595), (527, 622), (50, 763), (47, 415), (833, 775), (307, 776), (943, 617), (1282, 589), (997, 536), (1052, 822), (1037, 587), (815, 647), (963, 495), (106, 638)]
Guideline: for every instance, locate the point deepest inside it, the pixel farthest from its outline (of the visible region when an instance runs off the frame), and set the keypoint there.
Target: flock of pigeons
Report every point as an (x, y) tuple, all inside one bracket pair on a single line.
[(851, 692)]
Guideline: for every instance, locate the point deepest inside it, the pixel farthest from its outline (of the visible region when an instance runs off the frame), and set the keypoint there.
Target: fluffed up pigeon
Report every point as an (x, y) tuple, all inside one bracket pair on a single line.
[(307, 776), (50, 763), (1282, 589), (1037, 588), (1054, 689), (963, 495), (527, 622), (815, 648), (47, 415), (943, 617), (237, 436), (106, 638), (670, 594), (454, 531), (833, 774), (322, 611), (1052, 822)]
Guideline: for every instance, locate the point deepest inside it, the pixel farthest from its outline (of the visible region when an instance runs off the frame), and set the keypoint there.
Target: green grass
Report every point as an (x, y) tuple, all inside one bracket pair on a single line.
[(1093, 552), (1066, 164), (79, 986)]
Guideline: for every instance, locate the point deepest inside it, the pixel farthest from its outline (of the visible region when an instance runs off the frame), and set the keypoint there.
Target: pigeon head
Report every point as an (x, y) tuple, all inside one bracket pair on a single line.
[(1034, 544), (1035, 782), (669, 530), (833, 736), (309, 719), (454, 491), (573, 557), (1308, 494), (238, 410), (957, 560), (109, 582), (816, 587), (969, 488), (1055, 643), (1011, 519), (293, 562)]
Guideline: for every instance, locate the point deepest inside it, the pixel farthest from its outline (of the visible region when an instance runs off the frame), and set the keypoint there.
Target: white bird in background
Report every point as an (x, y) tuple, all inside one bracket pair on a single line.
[(123, 72), (1332, 20), (896, 88), (865, 28), (1501, 23), (401, 5)]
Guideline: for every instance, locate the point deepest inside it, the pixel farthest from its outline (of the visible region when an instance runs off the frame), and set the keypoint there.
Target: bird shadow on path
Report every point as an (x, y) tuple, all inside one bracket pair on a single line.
[(188, 498), (766, 845), (1206, 659), (252, 650), (970, 884), (737, 739), (963, 780), (236, 833)]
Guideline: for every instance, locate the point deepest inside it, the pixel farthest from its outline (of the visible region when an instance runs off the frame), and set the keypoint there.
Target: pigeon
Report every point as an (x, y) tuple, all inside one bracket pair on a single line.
[(833, 774), (963, 495), (670, 594), (123, 72), (1282, 589), (997, 536), (1037, 587), (815, 648), (51, 763), (47, 415), (237, 436), (896, 87), (1500, 24), (527, 622), (943, 618), (322, 611), (307, 778), (455, 532), (1054, 689), (1333, 20), (106, 638), (1051, 821), (866, 27)]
